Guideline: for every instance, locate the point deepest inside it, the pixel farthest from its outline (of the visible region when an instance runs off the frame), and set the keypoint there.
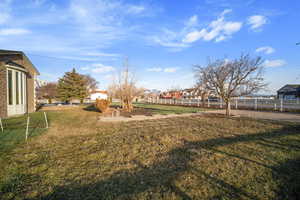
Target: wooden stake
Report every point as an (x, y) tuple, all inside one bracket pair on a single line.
[(26, 134)]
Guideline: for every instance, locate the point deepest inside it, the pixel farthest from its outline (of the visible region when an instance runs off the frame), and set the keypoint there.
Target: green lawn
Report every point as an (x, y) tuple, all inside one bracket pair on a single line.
[(199, 157), (165, 109), (15, 128)]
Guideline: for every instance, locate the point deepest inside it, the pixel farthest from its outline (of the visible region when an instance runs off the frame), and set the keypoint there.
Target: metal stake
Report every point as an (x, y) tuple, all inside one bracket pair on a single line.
[(46, 120), (1, 125), (26, 134)]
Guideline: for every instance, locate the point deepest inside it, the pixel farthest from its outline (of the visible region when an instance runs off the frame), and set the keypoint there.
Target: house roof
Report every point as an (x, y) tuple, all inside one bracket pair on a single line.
[(10, 52), (294, 86), (99, 91)]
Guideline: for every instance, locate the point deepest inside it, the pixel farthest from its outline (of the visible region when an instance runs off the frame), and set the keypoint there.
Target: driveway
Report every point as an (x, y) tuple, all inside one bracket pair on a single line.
[(290, 117)]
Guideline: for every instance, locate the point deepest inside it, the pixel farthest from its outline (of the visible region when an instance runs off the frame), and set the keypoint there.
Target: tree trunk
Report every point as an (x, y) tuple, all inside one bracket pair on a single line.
[(228, 108), (127, 105)]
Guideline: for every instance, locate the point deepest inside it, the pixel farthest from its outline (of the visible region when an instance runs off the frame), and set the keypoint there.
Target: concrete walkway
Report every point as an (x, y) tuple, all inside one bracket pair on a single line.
[(291, 117)]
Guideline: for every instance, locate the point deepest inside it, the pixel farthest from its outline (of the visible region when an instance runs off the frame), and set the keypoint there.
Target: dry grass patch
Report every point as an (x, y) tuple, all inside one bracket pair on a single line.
[(200, 157)]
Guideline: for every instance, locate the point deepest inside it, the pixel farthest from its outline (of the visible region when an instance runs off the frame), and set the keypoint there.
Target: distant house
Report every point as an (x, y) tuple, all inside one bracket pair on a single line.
[(98, 94), (289, 92), (191, 93), (17, 83), (174, 94)]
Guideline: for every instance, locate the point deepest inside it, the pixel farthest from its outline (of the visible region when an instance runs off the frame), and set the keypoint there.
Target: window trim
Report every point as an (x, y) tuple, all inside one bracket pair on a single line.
[(10, 88)]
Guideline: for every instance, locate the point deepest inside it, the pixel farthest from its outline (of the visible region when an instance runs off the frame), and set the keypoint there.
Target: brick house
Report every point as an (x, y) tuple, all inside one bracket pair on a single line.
[(17, 84)]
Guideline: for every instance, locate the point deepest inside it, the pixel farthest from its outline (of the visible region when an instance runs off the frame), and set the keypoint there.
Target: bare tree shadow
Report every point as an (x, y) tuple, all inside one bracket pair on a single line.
[(162, 175), (289, 178)]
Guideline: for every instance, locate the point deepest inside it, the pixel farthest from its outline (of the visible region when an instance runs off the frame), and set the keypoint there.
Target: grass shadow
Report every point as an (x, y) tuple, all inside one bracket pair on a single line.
[(91, 108)]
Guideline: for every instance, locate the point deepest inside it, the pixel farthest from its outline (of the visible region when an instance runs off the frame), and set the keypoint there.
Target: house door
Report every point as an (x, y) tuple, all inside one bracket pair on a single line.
[(16, 92)]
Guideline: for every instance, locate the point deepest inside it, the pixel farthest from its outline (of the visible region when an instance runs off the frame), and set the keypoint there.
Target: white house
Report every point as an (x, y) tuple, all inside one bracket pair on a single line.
[(98, 94)]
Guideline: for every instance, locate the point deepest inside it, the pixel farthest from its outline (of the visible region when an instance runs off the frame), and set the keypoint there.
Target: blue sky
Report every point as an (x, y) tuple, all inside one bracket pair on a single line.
[(162, 39)]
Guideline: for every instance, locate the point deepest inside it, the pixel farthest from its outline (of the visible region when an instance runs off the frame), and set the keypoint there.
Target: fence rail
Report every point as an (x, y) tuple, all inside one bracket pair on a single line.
[(251, 104)]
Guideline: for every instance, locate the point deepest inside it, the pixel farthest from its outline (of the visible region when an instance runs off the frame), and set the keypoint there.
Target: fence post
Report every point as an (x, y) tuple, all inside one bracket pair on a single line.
[(1, 125), (190, 102), (236, 104), (198, 102), (255, 103), (281, 105), (26, 133), (208, 102), (275, 106), (46, 120), (221, 103)]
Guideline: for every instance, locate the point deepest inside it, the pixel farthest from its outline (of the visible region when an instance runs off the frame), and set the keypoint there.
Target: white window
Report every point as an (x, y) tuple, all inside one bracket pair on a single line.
[(16, 91)]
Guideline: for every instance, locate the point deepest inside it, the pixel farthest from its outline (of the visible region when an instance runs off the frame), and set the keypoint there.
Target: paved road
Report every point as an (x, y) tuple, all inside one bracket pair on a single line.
[(263, 115)]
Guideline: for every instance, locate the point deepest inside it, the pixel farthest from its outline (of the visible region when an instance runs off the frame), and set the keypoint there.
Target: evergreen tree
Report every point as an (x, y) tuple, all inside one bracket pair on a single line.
[(72, 86)]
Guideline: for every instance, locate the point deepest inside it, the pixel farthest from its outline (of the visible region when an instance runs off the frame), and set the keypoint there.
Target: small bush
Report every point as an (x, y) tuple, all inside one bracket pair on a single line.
[(102, 105)]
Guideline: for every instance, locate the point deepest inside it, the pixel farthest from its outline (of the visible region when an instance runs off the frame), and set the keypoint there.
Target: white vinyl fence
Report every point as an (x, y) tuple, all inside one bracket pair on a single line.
[(253, 104)]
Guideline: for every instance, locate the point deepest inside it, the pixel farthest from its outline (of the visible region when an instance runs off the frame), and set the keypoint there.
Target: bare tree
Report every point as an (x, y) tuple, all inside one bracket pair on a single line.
[(48, 91), (228, 79), (202, 91), (124, 88), (92, 84)]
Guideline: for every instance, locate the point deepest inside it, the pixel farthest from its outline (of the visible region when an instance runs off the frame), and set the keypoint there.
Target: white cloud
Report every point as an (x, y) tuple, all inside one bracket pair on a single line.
[(101, 54), (166, 70), (217, 30), (4, 18), (220, 38), (265, 49), (169, 39), (226, 11), (154, 69), (193, 21), (85, 68), (135, 9), (100, 68), (257, 21), (5, 11), (170, 44), (275, 63), (194, 36), (13, 31), (109, 77), (170, 69)]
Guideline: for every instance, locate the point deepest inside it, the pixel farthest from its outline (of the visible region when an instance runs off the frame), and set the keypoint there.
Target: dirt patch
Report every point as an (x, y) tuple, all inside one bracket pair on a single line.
[(144, 117), (62, 107)]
